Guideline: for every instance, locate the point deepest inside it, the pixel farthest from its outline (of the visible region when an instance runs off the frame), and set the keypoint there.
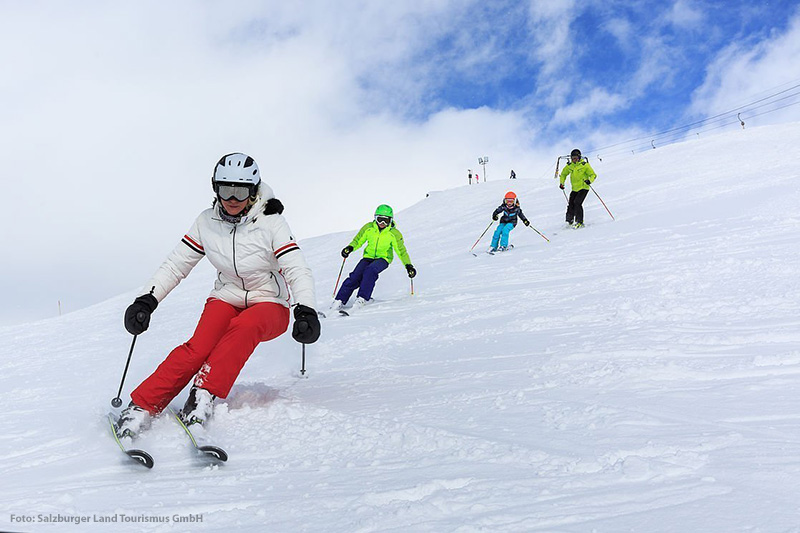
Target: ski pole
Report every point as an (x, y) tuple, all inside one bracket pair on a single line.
[(540, 233), (555, 177), (117, 401), (412, 286), (303, 327), (338, 278), (482, 234), (602, 202)]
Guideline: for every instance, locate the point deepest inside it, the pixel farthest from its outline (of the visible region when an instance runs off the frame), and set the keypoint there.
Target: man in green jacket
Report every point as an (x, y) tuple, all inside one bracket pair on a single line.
[(581, 177), (382, 238)]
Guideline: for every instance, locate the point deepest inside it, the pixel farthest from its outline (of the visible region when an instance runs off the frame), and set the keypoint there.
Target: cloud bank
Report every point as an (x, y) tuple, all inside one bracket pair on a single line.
[(116, 113)]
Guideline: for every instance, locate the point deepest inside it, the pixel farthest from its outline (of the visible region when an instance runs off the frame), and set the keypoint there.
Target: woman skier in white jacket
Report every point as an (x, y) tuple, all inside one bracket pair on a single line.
[(260, 270)]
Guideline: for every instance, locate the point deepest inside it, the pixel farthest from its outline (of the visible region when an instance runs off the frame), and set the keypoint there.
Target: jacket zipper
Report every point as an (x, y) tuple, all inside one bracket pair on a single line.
[(376, 243), (235, 269)]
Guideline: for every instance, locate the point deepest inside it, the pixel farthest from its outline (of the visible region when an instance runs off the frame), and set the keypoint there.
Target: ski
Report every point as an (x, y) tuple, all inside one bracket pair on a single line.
[(342, 312), (140, 456), (207, 450), (499, 251)]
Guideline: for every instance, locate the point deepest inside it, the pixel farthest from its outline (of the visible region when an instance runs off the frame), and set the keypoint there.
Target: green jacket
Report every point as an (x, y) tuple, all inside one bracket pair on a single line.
[(380, 243), (580, 171)]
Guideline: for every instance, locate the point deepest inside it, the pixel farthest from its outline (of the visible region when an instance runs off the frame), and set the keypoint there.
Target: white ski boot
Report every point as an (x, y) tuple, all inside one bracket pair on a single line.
[(199, 407), (132, 421)]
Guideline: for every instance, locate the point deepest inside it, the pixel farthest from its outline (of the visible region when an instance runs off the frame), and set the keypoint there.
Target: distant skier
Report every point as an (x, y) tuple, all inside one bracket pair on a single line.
[(510, 211), (257, 259), (513, 175), (381, 238), (469, 176), (581, 177)]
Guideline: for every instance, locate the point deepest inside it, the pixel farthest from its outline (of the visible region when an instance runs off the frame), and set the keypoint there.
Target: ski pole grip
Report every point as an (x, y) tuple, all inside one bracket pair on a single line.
[(141, 316), (302, 327)]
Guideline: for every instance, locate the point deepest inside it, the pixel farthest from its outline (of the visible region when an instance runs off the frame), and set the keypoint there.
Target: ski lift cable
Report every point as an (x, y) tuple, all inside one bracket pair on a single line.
[(690, 125)]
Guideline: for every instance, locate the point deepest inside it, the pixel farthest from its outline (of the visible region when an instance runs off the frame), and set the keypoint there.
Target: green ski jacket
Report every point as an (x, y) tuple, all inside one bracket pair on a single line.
[(580, 172), (380, 244)]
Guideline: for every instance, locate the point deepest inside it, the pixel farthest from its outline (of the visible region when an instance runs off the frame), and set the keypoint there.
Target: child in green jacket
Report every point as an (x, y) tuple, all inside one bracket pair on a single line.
[(382, 238)]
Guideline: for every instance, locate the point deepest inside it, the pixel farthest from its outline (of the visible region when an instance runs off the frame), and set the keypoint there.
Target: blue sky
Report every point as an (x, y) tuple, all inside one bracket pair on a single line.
[(643, 60), (345, 105)]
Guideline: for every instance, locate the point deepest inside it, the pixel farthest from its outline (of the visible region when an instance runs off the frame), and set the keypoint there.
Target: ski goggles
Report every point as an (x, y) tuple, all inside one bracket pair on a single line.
[(380, 219), (239, 192)]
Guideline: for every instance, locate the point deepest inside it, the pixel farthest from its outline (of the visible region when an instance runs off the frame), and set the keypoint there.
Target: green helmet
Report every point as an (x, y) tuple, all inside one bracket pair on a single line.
[(384, 211)]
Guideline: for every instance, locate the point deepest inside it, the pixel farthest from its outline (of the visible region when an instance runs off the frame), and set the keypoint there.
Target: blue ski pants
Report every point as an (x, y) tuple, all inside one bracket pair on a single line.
[(501, 234), (363, 278)]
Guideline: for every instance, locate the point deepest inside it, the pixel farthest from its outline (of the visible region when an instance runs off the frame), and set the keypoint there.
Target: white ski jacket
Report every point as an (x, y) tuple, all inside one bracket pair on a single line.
[(257, 259)]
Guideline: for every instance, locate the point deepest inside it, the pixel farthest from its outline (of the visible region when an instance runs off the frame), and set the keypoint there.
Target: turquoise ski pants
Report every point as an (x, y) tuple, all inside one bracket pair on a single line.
[(501, 234)]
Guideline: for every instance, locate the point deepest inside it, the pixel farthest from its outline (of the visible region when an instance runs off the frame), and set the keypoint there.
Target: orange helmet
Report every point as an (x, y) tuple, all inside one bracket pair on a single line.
[(510, 196)]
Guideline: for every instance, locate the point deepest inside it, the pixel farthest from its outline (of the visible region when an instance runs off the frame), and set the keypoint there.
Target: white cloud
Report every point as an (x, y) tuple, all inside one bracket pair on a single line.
[(553, 41), (623, 31), (744, 72), (685, 14), (116, 113), (598, 102)]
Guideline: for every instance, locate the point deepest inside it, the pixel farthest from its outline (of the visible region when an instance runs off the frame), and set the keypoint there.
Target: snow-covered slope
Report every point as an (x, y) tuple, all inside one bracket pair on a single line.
[(639, 374)]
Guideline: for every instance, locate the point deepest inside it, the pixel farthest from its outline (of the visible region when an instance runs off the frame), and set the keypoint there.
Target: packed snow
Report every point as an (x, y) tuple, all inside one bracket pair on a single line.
[(638, 374)]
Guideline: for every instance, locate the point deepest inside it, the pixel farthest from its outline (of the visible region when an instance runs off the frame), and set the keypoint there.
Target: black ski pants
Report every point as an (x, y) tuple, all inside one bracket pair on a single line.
[(575, 206)]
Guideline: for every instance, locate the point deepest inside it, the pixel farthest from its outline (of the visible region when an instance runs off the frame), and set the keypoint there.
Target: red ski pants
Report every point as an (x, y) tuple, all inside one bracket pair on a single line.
[(222, 343)]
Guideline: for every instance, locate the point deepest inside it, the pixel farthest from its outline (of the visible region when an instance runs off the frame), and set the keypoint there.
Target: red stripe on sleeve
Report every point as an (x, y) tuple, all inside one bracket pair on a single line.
[(284, 247), (193, 242)]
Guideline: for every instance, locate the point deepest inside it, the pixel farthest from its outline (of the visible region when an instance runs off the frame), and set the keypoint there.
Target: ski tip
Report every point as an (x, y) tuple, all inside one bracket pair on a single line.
[(215, 452), (343, 313), (142, 457)]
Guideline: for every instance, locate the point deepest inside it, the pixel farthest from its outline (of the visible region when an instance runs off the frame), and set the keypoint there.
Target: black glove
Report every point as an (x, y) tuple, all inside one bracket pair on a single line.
[(526, 222), (494, 217), (411, 270), (346, 251), (587, 182), (306, 325), (137, 315), (561, 186)]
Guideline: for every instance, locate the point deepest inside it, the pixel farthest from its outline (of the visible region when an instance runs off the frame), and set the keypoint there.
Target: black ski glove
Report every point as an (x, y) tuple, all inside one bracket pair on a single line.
[(494, 217), (561, 186), (526, 222), (306, 325), (411, 270), (137, 315), (587, 182), (346, 251)]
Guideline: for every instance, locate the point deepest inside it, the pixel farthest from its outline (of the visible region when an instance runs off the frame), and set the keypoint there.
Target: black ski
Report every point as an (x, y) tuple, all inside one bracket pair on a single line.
[(207, 450), (140, 456)]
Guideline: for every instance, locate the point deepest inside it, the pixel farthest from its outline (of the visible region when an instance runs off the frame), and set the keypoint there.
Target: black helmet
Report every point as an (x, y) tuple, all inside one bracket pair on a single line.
[(575, 152)]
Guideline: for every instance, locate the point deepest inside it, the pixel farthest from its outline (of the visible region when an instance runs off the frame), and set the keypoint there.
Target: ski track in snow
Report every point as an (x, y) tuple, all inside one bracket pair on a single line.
[(634, 375)]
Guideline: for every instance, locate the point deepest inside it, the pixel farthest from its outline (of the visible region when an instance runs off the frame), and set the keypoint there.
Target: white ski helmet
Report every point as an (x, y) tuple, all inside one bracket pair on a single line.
[(236, 169)]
